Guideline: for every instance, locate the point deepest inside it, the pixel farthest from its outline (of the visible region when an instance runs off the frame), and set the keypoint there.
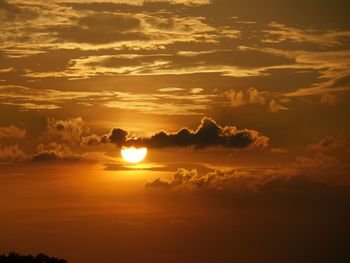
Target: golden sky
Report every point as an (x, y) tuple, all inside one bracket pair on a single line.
[(234, 100)]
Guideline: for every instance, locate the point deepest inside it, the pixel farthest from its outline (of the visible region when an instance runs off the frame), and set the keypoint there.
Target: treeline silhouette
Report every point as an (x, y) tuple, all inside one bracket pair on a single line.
[(40, 258)]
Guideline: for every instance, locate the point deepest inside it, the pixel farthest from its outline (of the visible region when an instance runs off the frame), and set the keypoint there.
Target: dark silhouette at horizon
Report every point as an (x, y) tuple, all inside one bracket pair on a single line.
[(14, 257)]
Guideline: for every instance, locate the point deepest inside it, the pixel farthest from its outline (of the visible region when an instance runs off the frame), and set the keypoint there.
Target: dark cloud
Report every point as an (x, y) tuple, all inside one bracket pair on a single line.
[(6, 7), (9, 11), (118, 136), (104, 28), (14, 257), (117, 22), (208, 134)]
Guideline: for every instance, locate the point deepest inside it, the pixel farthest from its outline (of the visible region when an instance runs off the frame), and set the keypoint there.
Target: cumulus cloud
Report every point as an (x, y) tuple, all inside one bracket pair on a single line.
[(90, 140), (12, 131), (69, 130), (54, 152), (208, 134), (181, 178), (253, 96), (241, 98), (236, 179), (275, 106), (118, 136), (12, 154), (261, 179)]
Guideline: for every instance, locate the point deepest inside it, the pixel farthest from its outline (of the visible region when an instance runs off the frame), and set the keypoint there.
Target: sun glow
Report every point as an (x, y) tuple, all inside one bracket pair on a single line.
[(133, 155)]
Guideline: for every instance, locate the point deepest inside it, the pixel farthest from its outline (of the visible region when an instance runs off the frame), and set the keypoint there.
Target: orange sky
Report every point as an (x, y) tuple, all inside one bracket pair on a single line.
[(240, 104)]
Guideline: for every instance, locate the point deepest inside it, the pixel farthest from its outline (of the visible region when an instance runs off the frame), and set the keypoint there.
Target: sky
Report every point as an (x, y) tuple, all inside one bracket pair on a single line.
[(243, 107)]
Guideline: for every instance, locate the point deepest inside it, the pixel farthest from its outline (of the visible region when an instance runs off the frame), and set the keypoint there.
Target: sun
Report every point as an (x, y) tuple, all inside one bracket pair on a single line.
[(133, 155)]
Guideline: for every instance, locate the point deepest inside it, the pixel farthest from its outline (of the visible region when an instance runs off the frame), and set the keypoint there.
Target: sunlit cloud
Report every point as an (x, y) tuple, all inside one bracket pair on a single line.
[(12, 154), (12, 131), (280, 33)]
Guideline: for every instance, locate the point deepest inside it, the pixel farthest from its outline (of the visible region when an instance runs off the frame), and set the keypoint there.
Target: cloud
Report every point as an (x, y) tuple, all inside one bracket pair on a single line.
[(253, 96), (69, 130), (290, 184), (275, 106), (281, 33), (208, 134), (104, 28), (245, 179), (238, 62), (90, 140), (329, 99), (143, 2), (332, 67), (32, 106), (160, 108), (279, 150), (320, 163), (329, 144), (184, 178), (170, 89), (12, 12), (43, 99), (328, 157), (12, 154), (12, 131), (54, 152), (118, 136), (160, 103), (241, 98)]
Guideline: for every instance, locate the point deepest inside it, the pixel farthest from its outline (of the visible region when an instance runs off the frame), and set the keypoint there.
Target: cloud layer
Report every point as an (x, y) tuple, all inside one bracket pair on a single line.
[(208, 134)]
